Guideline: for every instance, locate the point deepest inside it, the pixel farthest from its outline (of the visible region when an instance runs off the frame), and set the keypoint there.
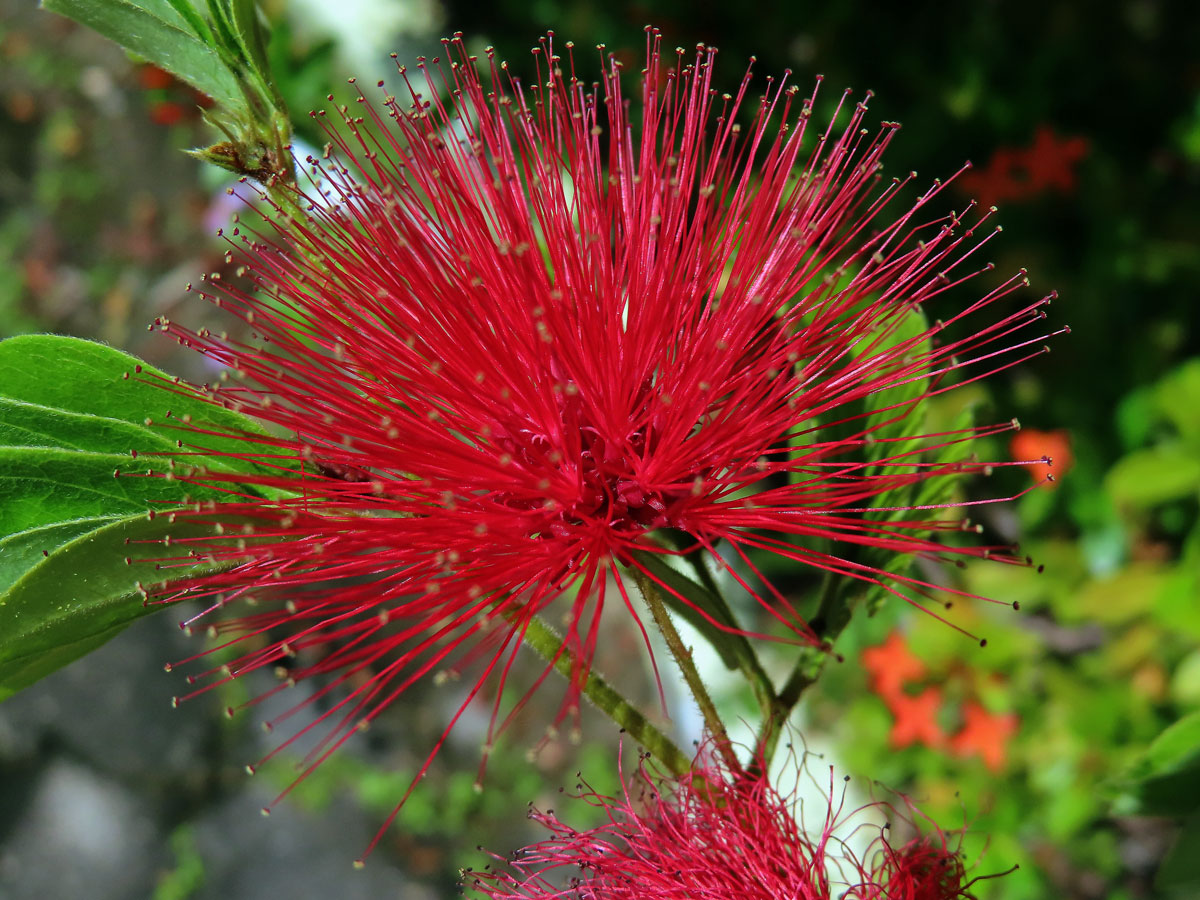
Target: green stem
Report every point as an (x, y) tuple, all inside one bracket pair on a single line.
[(735, 650), (549, 645), (833, 614), (687, 665)]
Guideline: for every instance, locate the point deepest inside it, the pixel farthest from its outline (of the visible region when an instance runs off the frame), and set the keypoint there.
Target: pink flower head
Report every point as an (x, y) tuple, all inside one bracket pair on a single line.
[(713, 835), (923, 869), (927, 866), (518, 335)]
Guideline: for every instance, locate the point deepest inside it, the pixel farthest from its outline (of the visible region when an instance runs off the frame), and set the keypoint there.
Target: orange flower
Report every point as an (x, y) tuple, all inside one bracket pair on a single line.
[(1050, 452), (890, 665), (985, 735), (916, 719)]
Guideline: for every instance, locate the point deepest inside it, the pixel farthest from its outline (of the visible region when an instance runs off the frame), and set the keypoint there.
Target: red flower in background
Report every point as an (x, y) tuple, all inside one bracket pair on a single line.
[(916, 717), (171, 101), (520, 335), (985, 735), (711, 835), (1049, 450), (1018, 174), (152, 78), (891, 665)]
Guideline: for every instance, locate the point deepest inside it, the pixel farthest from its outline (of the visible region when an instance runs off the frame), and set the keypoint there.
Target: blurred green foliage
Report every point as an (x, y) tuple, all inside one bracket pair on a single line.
[(102, 220), (187, 876), (1101, 661)]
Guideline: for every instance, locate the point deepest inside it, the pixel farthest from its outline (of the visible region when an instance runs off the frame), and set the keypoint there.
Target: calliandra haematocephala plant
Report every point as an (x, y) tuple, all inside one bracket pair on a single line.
[(509, 336)]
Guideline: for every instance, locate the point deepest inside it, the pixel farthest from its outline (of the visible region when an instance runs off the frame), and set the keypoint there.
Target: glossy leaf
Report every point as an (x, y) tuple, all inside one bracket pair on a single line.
[(67, 588), (87, 450), (71, 375), (158, 31)]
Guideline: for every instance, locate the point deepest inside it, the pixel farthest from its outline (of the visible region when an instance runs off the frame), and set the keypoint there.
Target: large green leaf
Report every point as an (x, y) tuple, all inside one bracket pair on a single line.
[(898, 423), (165, 34), (69, 375), (1165, 780), (87, 450), (67, 588), (897, 410), (1145, 478)]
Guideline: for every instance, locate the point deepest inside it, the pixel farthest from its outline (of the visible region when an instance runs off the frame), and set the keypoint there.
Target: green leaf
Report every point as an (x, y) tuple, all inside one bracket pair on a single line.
[(69, 587), (34, 425), (98, 381), (935, 491), (1178, 396), (1146, 478), (81, 461), (250, 30), (930, 492), (169, 12), (221, 19), (1179, 873), (897, 410), (244, 31), (26, 549), (43, 485), (1165, 780), (164, 34), (187, 11)]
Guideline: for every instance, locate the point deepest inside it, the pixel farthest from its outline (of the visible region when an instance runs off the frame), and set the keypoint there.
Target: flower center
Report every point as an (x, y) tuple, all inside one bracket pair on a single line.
[(597, 481)]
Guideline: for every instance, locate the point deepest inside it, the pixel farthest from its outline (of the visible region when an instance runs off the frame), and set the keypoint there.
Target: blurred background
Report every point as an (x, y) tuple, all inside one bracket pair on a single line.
[(1082, 121)]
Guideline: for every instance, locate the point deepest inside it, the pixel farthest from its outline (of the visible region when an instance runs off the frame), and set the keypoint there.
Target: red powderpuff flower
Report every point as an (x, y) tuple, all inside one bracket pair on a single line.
[(925, 868), (715, 835), (517, 334)]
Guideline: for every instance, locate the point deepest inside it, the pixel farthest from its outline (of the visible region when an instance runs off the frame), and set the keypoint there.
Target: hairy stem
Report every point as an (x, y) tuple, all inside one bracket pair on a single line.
[(687, 665), (549, 645), (735, 650)]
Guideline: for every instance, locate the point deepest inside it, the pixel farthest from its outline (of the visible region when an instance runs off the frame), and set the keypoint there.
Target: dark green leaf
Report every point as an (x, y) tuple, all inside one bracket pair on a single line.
[(67, 588), (71, 375), (74, 496), (157, 30), (1165, 780), (1179, 873)]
